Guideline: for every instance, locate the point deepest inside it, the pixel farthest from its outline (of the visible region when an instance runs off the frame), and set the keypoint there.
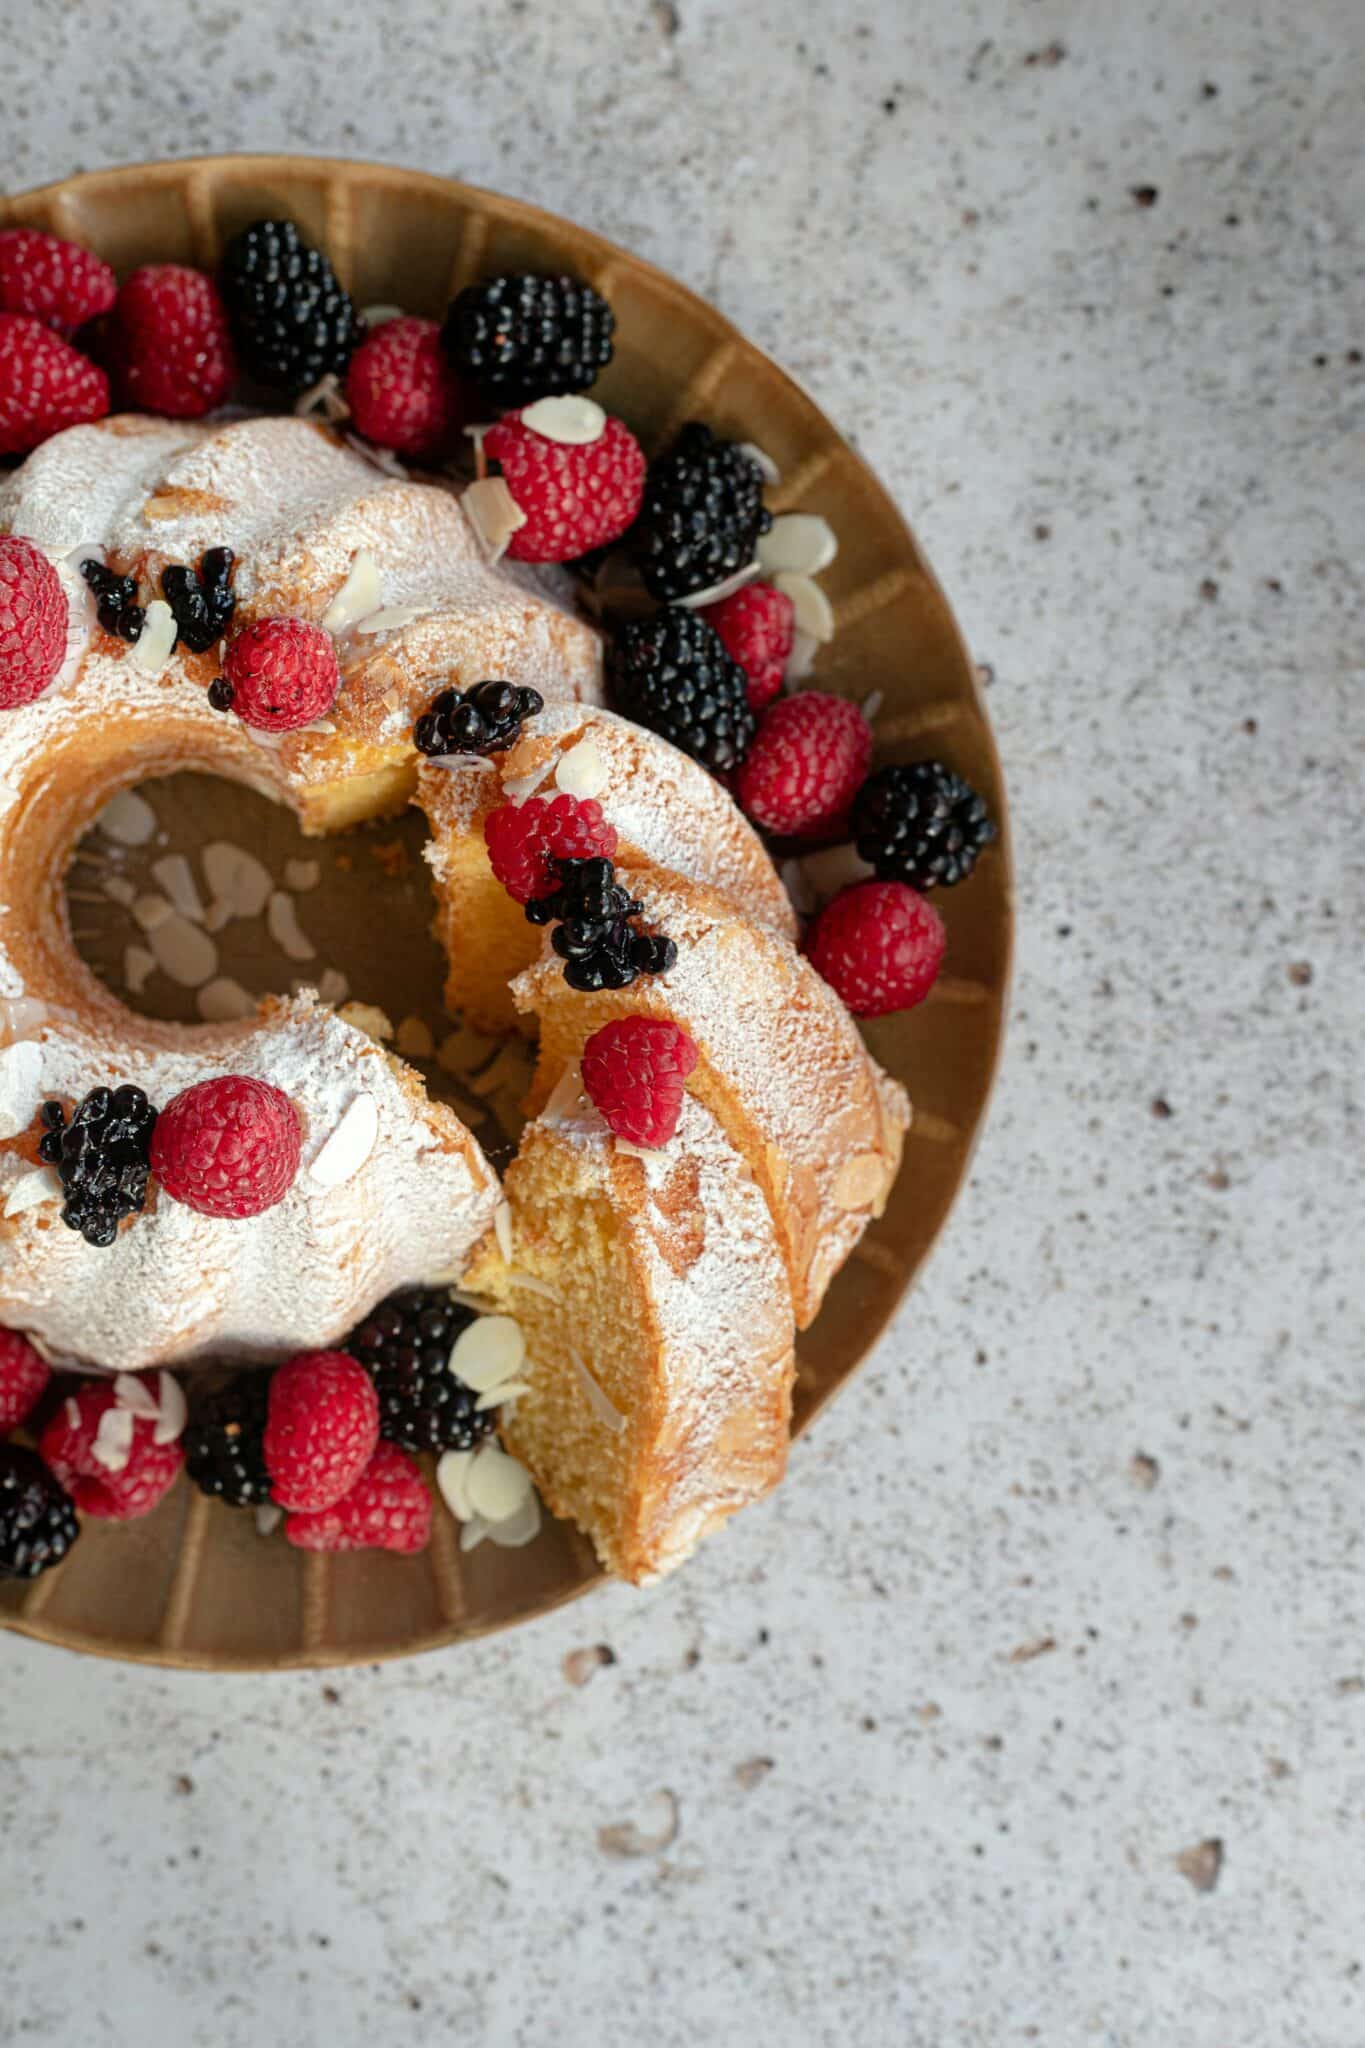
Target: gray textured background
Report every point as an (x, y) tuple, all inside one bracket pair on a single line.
[(1002, 1684)]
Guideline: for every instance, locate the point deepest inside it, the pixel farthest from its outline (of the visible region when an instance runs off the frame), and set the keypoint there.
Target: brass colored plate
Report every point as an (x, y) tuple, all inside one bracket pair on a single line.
[(194, 1585)]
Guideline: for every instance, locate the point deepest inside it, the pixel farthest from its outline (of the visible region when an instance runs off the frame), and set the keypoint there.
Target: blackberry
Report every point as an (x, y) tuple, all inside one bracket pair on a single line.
[(38, 1522), (673, 673), (405, 1347), (115, 600), (102, 1158), (225, 1443), (290, 318), (702, 514), (920, 823), (522, 337), (484, 720), (593, 937), (201, 599)]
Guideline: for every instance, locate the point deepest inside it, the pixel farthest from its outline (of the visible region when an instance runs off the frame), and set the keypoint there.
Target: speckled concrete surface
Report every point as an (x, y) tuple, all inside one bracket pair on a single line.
[(1070, 1584)]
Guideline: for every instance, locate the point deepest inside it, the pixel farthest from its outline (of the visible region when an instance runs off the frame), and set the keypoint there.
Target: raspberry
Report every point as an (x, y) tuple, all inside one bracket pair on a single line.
[(388, 1508), (37, 1519), (523, 839), (402, 391), (117, 1473), (879, 946), (279, 675), (805, 766), (34, 615), (169, 345), (321, 1430), (23, 1379), (228, 1147), (635, 1072), (756, 625), (575, 497), (51, 280), (45, 385)]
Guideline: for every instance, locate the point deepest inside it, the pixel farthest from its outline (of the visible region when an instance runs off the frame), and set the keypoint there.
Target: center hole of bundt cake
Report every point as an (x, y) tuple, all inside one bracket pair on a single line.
[(191, 897)]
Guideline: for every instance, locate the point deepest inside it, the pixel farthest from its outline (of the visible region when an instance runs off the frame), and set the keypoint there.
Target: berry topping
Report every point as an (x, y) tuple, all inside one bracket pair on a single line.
[(45, 385), (37, 1518), (106, 1456), (225, 1443), (576, 495), (919, 823), (34, 616), (169, 346), (321, 1429), (281, 674), (593, 937), (52, 280), (879, 946), (388, 1508), (806, 765), (525, 840), (484, 720), (291, 320), (201, 599), (402, 391), (228, 1147), (23, 1379), (702, 515), (524, 337), (102, 1158), (405, 1346), (115, 600), (671, 672), (757, 625), (635, 1072)]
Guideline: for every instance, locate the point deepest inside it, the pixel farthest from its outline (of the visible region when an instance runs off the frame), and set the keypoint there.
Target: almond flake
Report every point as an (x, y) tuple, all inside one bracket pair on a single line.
[(572, 422), (859, 1182), (801, 542), (727, 587), (414, 1039), (155, 644), (762, 461), (515, 1531), (801, 660), (494, 514), (21, 1086), (498, 1484), (565, 1095), (113, 1445), (301, 875), (505, 1391), (138, 967), (370, 1019), (452, 1481), (502, 1229), (333, 987), (151, 910), (582, 771), (136, 1396), (814, 612), (128, 819), (176, 877), (173, 1412), (487, 1351), (606, 1412), (240, 882), (350, 1144), (391, 619), (119, 890), (224, 1001), (323, 400), (361, 594), (380, 316), (282, 922), (872, 704), (268, 1518), (184, 951), (41, 1184), (530, 1283), (473, 1533)]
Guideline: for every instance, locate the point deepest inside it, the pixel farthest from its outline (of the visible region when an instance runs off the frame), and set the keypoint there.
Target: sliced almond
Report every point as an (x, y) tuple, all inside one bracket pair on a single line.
[(531, 1283), (494, 515), (370, 1019), (176, 877), (113, 1445), (224, 1001), (238, 880), (414, 1039), (582, 771), (872, 704), (606, 1412), (571, 421), (138, 967), (151, 910), (173, 1409), (361, 594), (452, 1481), (155, 644), (801, 542), (390, 619), (474, 1532), (119, 890), (324, 400), (302, 875), (762, 461), (333, 987), (184, 952), (379, 316), (801, 660), (498, 1484), (566, 1094), (513, 1532), (502, 1229), (136, 1396), (728, 585), (859, 1182), (41, 1184), (814, 612), (128, 819), (350, 1144), (21, 1086), (487, 1351), (505, 1391), (282, 922), (268, 1518)]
